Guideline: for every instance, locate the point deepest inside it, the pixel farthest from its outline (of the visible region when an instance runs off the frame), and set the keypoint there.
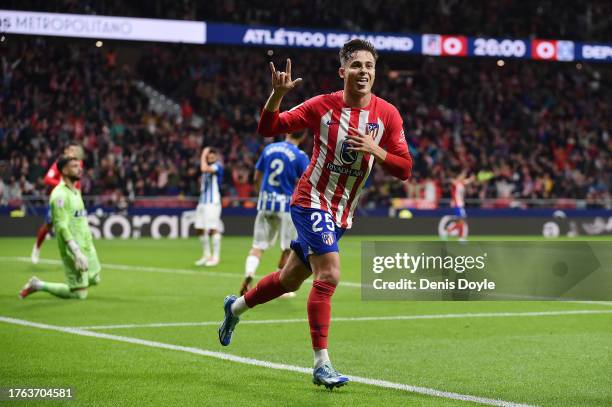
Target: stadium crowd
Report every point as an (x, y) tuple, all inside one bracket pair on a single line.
[(527, 130)]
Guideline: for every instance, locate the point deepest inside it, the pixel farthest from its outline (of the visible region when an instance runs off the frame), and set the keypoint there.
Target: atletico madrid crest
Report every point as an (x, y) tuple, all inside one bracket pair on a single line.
[(373, 129), (328, 238)]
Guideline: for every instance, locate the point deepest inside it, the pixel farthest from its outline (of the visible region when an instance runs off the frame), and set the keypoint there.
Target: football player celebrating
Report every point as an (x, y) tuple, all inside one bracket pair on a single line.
[(352, 129)]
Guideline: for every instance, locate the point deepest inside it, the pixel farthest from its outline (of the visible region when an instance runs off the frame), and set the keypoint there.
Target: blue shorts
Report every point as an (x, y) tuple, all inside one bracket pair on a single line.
[(317, 232), (459, 212), (48, 217)]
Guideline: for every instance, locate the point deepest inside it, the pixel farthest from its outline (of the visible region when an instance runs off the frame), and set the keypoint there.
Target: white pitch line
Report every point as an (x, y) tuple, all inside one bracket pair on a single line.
[(205, 273), (356, 319), (262, 363), (147, 269)]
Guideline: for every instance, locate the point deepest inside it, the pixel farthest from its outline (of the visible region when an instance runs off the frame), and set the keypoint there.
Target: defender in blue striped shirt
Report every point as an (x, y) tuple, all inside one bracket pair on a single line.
[(208, 213), (278, 169)]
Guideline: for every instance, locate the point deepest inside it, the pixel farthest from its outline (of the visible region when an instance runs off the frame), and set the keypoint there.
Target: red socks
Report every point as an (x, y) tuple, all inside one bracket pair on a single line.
[(319, 312), (462, 230), (268, 288), (460, 226), (42, 233), (319, 304)]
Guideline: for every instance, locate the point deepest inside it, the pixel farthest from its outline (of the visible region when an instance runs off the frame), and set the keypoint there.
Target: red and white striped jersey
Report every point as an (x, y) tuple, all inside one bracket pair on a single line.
[(458, 194), (335, 176)]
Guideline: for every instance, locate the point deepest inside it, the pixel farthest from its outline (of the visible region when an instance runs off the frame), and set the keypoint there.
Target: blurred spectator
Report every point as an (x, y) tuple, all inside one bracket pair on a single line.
[(529, 130)]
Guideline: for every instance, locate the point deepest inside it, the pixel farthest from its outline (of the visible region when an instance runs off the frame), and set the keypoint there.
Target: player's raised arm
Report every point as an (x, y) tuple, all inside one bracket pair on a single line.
[(203, 161), (205, 166), (281, 85), (272, 123), (52, 177)]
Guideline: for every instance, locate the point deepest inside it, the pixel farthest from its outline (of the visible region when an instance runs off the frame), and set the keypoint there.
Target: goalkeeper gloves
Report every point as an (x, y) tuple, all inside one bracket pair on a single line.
[(80, 260)]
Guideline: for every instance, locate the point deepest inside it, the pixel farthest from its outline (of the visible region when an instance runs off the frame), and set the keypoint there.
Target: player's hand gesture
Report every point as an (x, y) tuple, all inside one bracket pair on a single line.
[(281, 81), (362, 142)]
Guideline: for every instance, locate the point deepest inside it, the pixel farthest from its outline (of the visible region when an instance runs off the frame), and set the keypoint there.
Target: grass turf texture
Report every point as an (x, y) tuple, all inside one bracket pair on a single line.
[(544, 360)]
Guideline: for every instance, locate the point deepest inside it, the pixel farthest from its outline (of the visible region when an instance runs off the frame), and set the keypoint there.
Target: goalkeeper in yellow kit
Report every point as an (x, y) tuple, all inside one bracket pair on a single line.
[(74, 238)]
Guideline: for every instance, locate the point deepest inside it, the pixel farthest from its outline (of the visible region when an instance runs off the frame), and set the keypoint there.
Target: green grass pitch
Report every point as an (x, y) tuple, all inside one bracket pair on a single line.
[(563, 359)]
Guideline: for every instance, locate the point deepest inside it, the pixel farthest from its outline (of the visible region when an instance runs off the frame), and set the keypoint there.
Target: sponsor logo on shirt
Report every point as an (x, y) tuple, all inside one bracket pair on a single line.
[(353, 172), (347, 156)]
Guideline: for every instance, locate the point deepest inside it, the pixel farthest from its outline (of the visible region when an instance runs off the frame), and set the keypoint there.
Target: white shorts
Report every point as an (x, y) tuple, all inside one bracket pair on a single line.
[(208, 217), (268, 225)]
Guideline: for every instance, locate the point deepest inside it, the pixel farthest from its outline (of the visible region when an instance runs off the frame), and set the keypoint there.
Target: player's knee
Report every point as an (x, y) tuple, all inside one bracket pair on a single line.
[(331, 278), (326, 268), (329, 274), (80, 294)]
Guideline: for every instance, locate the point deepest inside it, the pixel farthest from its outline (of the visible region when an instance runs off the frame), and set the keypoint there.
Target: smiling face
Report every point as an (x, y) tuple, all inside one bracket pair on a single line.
[(359, 72)]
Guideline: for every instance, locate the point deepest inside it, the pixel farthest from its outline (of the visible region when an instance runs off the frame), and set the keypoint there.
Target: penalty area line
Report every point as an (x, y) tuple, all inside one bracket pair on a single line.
[(261, 363)]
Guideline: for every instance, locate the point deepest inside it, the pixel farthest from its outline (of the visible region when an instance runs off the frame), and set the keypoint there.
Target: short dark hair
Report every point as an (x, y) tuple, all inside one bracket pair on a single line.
[(355, 45), (297, 135), (71, 144), (213, 150), (63, 161)]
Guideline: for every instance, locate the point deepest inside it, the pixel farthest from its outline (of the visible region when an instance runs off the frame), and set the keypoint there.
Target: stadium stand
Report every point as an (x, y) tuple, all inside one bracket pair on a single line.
[(528, 130)]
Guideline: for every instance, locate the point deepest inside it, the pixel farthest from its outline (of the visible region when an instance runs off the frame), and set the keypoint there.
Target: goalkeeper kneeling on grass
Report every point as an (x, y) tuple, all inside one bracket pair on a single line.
[(74, 238)]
